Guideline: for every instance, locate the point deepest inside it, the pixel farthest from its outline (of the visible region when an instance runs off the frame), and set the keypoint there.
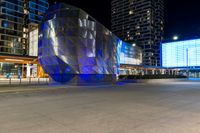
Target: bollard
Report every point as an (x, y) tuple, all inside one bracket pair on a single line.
[(30, 80), (9, 81), (20, 81)]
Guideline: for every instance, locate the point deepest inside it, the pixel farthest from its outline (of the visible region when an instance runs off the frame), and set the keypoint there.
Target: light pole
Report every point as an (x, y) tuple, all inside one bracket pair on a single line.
[(187, 62)]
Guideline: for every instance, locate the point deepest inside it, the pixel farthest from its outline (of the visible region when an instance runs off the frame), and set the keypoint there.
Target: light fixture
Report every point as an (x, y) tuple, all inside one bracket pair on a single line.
[(14, 60), (134, 44), (175, 38)]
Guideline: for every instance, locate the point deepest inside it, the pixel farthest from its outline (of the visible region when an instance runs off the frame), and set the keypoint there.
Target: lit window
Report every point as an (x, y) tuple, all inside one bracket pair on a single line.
[(138, 27), (130, 12), (138, 33)]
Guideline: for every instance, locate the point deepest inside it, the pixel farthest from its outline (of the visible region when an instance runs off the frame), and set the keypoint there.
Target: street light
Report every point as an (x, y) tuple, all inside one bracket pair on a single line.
[(134, 44), (175, 38)]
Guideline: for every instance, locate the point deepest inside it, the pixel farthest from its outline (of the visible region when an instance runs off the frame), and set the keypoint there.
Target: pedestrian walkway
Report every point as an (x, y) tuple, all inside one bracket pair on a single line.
[(171, 107), (23, 81)]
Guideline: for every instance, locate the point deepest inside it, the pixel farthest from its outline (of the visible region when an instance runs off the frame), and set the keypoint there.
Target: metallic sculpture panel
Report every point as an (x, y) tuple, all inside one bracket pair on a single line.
[(73, 45)]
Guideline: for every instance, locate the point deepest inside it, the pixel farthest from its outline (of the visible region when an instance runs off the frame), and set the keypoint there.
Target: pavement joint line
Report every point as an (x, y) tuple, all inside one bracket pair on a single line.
[(23, 90)]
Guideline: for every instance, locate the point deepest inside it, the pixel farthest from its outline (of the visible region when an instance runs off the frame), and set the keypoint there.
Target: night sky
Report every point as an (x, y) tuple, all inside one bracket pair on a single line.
[(182, 17)]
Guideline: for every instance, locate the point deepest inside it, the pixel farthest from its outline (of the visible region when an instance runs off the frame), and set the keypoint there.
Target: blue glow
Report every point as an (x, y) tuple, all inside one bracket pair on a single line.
[(5, 24), (83, 53), (181, 53), (130, 54)]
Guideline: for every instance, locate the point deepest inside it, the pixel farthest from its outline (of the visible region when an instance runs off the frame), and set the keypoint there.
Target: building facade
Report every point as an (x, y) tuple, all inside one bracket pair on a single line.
[(74, 47), (18, 35), (183, 56), (140, 22)]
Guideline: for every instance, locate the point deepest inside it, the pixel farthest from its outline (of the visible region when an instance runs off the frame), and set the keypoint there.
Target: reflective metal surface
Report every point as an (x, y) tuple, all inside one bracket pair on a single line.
[(75, 47)]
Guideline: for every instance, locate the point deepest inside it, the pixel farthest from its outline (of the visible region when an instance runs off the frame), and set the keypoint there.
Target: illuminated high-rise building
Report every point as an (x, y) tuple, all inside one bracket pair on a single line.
[(140, 22), (19, 20)]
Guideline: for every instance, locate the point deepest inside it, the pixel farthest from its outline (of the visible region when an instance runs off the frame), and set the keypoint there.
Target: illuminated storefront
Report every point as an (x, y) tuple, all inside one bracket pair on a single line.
[(183, 56), (20, 67)]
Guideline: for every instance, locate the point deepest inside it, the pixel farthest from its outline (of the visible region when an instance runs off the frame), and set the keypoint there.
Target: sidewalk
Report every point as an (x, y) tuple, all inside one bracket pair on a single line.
[(30, 88), (24, 81), (13, 89)]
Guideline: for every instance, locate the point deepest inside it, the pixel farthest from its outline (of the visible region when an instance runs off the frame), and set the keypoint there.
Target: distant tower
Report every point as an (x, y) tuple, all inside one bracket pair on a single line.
[(140, 22)]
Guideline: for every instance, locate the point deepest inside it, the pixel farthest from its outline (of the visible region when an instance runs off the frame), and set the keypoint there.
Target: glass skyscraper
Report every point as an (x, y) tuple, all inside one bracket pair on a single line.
[(36, 10), (18, 32), (16, 18), (140, 22)]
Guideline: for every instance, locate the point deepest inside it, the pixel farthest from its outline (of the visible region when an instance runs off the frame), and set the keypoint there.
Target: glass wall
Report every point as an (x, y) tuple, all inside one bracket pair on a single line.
[(181, 54), (10, 70), (11, 27), (36, 10), (130, 54), (33, 43), (17, 16), (16, 70)]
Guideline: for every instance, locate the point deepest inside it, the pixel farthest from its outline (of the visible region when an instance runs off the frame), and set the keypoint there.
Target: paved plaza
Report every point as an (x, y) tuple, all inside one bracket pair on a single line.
[(169, 107)]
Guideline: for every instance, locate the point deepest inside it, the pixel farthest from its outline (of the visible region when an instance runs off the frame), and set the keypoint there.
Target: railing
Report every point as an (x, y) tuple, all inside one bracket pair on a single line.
[(24, 81)]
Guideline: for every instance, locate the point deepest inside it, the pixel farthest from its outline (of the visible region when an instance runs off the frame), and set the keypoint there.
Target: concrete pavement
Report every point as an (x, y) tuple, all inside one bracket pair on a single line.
[(124, 108)]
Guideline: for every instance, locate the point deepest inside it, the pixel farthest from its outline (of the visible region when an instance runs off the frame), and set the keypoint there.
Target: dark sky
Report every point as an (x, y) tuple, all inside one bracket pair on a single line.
[(182, 17)]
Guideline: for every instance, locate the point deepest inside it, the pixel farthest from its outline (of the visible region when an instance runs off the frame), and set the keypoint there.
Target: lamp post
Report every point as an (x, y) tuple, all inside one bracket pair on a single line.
[(187, 62)]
